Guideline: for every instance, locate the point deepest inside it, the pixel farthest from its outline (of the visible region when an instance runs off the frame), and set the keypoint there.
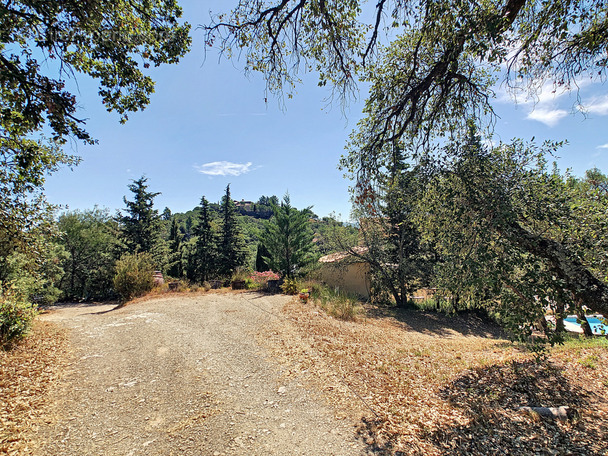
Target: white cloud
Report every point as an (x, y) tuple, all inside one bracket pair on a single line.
[(224, 168), (603, 146), (597, 106), (545, 102), (549, 117)]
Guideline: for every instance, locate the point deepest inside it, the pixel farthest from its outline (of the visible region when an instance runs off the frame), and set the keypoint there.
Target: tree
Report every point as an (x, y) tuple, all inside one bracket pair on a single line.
[(431, 81), (261, 253), (140, 227), (175, 266), (166, 215), (231, 244), (390, 240), (105, 40), (288, 238), (90, 239), (205, 254), (440, 61), (133, 276), (504, 228)]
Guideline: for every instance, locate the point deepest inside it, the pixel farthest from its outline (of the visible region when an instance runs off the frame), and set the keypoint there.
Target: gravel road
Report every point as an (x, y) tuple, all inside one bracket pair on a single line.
[(183, 375)]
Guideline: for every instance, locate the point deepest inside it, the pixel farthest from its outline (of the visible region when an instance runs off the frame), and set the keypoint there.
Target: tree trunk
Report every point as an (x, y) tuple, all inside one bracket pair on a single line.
[(585, 326), (542, 323), (559, 318), (586, 288)]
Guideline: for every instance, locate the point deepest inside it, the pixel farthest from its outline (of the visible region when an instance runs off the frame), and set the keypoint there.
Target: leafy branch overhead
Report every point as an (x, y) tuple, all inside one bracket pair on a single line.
[(44, 44), (434, 66)]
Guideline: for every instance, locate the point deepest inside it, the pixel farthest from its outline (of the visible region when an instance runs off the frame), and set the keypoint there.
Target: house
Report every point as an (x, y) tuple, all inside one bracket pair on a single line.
[(346, 272), (245, 205)]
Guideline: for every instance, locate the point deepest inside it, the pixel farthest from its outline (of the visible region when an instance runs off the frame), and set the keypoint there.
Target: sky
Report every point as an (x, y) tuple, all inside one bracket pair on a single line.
[(208, 125)]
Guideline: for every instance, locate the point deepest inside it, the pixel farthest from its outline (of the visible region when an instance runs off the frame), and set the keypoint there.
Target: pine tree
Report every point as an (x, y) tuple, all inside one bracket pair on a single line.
[(140, 227), (260, 263), (205, 253), (232, 244), (175, 268), (288, 238)]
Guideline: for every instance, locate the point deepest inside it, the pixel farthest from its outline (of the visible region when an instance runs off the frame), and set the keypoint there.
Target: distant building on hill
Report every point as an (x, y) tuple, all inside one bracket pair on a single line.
[(244, 205)]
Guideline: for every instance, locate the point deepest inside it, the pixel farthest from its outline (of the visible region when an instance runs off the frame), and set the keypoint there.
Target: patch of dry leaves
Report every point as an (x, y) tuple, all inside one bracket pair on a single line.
[(430, 384), (28, 374)]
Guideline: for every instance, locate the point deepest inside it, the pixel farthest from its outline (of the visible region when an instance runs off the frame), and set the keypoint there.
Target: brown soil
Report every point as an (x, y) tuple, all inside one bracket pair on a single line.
[(184, 375), (245, 373), (428, 384)]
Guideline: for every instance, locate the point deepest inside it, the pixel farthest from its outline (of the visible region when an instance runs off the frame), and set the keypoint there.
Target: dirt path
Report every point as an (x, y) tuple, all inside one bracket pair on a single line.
[(184, 376)]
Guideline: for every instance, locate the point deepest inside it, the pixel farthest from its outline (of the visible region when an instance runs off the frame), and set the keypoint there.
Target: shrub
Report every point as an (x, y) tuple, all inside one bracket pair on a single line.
[(290, 286), (336, 303), (261, 278), (16, 316), (134, 275)]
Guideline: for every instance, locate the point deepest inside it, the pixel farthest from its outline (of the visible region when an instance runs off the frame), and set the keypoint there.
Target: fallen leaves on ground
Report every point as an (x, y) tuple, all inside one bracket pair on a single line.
[(424, 383), (28, 373)]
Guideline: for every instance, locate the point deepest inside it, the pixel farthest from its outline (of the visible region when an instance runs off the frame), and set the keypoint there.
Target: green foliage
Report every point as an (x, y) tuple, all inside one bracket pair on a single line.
[(16, 315), (90, 240), (337, 303), (498, 221), (232, 250), (390, 238), (261, 253), (133, 276), (503, 227), (175, 267), (140, 227), (429, 75), (290, 286), (288, 239), (205, 258), (35, 279), (106, 41), (331, 235)]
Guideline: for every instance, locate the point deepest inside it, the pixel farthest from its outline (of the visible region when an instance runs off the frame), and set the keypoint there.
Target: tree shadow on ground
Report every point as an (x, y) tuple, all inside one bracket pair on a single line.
[(92, 305), (468, 323), (487, 401)]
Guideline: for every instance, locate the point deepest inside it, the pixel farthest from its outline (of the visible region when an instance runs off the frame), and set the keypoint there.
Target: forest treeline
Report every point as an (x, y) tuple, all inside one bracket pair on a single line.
[(210, 242)]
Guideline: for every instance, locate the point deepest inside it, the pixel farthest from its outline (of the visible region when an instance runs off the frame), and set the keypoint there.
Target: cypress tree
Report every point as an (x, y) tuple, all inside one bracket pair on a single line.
[(140, 227), (205, 261), (175, 268), (288, 238), (232, 244)]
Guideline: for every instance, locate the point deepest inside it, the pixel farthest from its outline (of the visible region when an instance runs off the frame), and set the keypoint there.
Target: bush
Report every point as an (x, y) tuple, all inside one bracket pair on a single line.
[(16, 316), (134, 275), (260, 279), (336, 303), (290, 286)]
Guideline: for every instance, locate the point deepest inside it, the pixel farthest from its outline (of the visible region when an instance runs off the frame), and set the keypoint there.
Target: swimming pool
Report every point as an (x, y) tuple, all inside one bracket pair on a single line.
[(596, 324)]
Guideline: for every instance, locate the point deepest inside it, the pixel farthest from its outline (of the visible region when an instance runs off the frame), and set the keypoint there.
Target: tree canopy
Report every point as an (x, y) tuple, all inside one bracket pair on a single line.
[(140, 226), (431, 67), (287, 238), (431, 64)]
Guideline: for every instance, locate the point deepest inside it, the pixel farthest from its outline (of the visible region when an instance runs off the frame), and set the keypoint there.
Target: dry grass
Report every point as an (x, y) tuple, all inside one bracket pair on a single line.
[(428, 384), (28, 373)]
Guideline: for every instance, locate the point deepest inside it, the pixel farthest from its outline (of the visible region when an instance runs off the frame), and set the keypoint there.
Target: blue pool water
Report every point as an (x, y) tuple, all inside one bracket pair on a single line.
[(596, 324)]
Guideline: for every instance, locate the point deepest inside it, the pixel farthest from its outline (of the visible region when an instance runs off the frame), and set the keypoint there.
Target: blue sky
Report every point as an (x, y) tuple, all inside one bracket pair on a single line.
[(208, 125)]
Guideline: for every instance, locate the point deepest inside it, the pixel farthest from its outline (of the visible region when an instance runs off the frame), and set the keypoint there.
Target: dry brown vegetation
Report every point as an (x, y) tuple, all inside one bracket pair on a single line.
[(430, 384), (28, 374), (417, 383)]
